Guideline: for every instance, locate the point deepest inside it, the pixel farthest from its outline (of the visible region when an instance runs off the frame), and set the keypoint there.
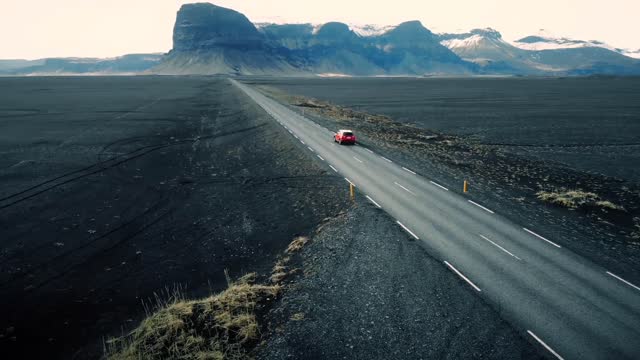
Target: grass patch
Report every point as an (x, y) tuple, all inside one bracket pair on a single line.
[(222, 326), (574, 199), (297, 244)]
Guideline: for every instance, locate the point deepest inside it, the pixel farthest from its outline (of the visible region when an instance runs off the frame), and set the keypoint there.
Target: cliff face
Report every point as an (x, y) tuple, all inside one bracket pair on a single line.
[(209, 39), (206, 27)]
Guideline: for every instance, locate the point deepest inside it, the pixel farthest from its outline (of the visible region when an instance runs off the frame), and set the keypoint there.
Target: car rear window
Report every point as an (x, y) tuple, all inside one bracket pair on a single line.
[(347, 133)]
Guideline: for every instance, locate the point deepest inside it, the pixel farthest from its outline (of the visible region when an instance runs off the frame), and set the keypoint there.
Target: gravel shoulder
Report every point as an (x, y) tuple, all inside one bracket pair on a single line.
[(365, 290)]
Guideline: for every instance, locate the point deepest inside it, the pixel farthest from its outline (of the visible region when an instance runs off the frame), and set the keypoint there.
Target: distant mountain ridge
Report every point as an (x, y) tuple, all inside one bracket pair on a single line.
[(209, 39)]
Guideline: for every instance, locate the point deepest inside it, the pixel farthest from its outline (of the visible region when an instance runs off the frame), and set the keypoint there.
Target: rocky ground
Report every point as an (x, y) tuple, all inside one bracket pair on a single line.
[(605, 230), (365, 290)]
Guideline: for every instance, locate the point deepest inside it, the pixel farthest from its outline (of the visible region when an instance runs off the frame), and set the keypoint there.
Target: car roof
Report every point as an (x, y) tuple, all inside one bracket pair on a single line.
[(344, 130)]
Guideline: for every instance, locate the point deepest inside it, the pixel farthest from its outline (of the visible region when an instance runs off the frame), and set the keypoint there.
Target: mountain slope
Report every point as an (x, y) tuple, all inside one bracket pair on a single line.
[(538, 55)]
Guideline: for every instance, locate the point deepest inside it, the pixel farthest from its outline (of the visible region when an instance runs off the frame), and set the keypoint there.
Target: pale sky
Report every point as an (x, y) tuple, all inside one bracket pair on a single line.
[(31, 29)]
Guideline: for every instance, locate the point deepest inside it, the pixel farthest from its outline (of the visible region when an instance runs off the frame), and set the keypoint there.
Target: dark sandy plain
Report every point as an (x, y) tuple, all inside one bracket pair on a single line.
[(510, 138), (117, 190)]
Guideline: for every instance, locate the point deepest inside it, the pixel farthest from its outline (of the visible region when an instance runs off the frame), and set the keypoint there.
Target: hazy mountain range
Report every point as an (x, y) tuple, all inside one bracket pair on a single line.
[(208, 39)]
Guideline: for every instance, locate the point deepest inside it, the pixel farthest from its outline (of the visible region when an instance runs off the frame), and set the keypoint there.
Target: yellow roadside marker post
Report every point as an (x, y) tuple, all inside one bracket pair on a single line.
[(352, 192), (465, 187)]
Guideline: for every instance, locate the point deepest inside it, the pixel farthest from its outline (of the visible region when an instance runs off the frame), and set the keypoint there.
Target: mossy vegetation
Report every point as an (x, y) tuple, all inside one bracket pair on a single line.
[(574, 199), (221, 326)]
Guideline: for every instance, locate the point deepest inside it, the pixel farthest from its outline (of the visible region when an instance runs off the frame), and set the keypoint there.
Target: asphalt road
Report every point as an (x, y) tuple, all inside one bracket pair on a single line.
[(566, 304)]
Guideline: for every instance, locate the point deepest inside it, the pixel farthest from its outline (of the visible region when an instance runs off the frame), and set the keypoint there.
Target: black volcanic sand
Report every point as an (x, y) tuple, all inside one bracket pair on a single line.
[(365, 296), (501, 179), (115, 189)]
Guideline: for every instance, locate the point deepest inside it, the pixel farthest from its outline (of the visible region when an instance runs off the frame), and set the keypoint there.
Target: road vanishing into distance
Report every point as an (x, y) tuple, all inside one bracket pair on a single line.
[(566, 304)]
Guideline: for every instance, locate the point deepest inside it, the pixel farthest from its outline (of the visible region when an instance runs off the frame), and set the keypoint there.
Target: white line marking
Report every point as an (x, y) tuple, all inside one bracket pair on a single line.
[(545, 345), (462, 276), (349, 181), (500, 247), (321, 158), (290, 132), (543, 238), (302, 142), (310, 149), (358, 160), (373, 201), (623, 280), (296, 136), (480, 206), (334, 169), (386, 159), (408, 170), (409, 191), (438, 185), (407, 230), (368, 150)]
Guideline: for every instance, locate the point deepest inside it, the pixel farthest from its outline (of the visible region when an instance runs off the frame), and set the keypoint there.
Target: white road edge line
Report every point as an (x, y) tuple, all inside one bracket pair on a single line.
[(462, 276), (334, 169), (409, 191), (409, 170), (320, 157), (407, 230), (480, 206), (499, 247), (386, 159), (541, 237), (308, 147), (438, 185), (349, 181), (368, 150), (623, 280), (296, 136), (303, 143), (545, 345), (358, 160), (373, 201)]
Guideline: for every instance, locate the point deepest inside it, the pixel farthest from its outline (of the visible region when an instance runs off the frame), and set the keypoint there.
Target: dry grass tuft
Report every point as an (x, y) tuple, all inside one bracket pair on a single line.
[(635, 234), (297, 244), (574, 199), (221, 326), (297, 316)]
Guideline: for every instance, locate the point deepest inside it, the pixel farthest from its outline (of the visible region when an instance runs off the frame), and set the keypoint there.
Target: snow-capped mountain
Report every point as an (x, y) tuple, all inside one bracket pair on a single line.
[(542, 53), (545, 40)]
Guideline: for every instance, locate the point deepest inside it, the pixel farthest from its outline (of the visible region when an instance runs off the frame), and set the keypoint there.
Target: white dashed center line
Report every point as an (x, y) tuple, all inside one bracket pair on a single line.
[(541, 237), (358, 160), (462, 276), (499, 247), (409, 191), (480, 206)]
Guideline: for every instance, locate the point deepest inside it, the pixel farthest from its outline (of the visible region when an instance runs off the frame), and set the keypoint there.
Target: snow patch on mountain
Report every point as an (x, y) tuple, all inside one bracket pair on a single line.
[(368, 30), (469, 42)]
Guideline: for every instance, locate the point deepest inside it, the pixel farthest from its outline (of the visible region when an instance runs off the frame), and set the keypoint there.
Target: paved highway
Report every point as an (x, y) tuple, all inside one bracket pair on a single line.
[(569, 306)]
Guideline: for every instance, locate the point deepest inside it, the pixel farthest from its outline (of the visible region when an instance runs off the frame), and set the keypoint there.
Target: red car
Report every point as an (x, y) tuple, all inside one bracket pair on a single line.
[(344, 137)]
